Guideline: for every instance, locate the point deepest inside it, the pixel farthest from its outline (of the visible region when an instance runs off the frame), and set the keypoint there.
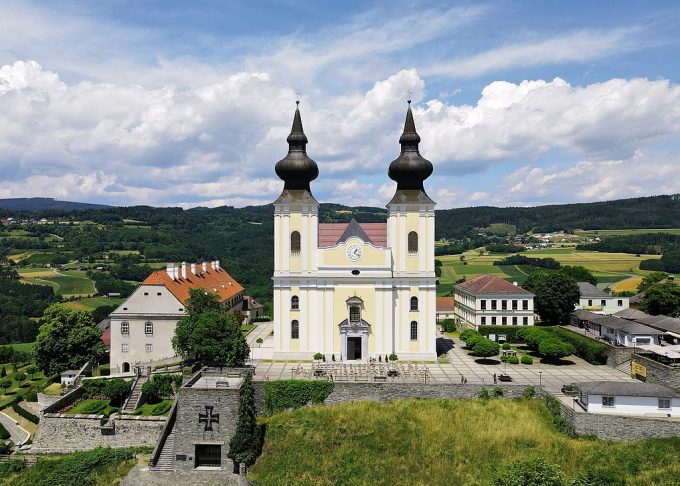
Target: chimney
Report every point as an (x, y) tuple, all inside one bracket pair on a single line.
[(217, 264), (514, 283), (169, 269), (204, 265), (176, 272), (184, 270), (193, 268)]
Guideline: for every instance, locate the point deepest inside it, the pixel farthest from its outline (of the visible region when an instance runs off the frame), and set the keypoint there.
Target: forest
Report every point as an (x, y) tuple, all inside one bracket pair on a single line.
[(639, 244)]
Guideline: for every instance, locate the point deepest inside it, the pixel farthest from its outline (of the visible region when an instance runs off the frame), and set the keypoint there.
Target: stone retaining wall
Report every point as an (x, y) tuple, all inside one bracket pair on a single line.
[(617, 355), (64, 401), (659, 372), (68, 433), (45, 401)]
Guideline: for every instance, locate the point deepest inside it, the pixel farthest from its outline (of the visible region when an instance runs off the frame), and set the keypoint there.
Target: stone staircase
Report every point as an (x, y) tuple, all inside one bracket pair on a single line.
[(135, 393), (165, 459)]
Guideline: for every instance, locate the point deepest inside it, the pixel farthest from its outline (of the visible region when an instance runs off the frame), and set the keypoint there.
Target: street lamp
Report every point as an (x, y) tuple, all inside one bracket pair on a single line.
[(540, 380)]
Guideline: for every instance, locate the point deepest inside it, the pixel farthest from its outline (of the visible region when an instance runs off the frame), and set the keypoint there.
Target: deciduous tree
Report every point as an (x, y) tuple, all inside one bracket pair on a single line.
[(662, 299), (556, 295)]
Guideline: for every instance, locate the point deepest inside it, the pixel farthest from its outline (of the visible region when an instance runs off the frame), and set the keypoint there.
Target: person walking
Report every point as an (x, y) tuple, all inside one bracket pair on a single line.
[(495, 379)]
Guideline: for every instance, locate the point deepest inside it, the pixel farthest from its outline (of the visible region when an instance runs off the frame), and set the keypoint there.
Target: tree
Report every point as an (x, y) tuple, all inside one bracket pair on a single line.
[(662, 299), (5, 383), (3, 372), (199, 301), (212, 338), (533, 336), (485, 348), (31, 370), (67, 339), (246, 444), (556, 295), (553, 349), (531, 472), (650, 279), (580, 274)]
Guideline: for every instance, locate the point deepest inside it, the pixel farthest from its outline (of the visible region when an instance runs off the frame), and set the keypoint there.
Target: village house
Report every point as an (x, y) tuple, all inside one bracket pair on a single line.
[(488, 300), (628, 398), (597, 300), (445, 308), (615, 330)]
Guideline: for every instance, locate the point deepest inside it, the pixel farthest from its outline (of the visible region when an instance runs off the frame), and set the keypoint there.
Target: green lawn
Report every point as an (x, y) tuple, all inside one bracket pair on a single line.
[(93, 407), (91, 303), (432, 442), (25, 347), (20, 388), (68, 283), (154, 409)]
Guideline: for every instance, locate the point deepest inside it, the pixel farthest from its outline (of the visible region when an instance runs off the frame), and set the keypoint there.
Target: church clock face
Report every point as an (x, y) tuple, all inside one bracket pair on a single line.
[(354, 252)]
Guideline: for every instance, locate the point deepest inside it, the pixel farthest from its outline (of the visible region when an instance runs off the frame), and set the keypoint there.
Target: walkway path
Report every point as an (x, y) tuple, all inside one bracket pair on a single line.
[(18, 434)]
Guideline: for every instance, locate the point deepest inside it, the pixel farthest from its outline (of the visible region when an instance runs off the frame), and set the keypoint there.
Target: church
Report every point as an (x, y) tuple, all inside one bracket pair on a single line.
[(354, 291)]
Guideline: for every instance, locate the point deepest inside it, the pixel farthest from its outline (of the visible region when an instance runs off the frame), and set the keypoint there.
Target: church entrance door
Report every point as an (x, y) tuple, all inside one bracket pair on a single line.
[(353, 348)]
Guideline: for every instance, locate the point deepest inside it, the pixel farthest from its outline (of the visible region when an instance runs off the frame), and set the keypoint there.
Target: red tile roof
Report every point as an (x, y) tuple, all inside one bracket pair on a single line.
[(214, 281), (330, 233), (445, 304), (106, 337), (490, 284)]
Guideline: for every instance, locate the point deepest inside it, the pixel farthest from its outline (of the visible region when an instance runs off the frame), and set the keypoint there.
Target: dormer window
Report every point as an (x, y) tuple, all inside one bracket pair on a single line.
[(295, 242), (413, 242)]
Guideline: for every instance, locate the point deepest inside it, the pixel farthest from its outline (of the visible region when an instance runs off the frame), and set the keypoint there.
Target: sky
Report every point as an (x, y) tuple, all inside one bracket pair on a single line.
[(171, 103)]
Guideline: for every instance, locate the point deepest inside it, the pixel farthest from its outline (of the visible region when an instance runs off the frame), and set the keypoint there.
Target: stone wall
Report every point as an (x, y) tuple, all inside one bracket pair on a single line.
[(64, 401), (384, 392), (68, 433), (659, 372), (618, 355), (47, 400)]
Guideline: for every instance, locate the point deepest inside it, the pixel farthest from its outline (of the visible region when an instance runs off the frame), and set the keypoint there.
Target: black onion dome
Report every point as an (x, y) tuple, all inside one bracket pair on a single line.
[(296, 169), (410, 169)]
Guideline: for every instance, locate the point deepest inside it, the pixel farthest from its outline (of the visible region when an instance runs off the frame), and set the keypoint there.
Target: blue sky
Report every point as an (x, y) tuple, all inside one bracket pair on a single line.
[(189, 103)]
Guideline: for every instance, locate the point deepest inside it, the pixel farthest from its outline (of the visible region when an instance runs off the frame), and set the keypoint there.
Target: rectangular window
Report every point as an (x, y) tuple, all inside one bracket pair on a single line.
[(525, 321), (665, 403), (148, 327), (504, 304), (124, 347), (494, 305), (590, 303), (149, 348), (504, 321), (482, 304), (514, 305), (414, 331), (620, 303), (493, 321), (125, 327), (525, 305), (483, 321), (607, 401), (603, 303), (514, 320), (208, 455)]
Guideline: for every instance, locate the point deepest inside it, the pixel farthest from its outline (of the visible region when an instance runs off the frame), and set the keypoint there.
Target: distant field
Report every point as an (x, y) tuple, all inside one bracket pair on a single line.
[(91, 303), (607, 267), (596, 233), (69, 283), (627, 285), (25, 347)]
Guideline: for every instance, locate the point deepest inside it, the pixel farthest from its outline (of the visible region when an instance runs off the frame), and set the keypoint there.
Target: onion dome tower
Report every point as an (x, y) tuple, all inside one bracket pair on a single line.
[(410, 169), (296, 169)]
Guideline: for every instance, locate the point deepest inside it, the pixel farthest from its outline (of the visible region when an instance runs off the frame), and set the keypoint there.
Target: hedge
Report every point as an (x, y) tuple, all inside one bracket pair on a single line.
[(161, 386), (448, 325), (4, 435), (586, 348), (509, 331), (25, 413), (282, 395)]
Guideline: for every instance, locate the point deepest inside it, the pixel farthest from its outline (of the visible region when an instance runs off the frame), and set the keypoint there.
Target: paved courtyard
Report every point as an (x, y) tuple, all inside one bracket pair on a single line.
[(460, 364)]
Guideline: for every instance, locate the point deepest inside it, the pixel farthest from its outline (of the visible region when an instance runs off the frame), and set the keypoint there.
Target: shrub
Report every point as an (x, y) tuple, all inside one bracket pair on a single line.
[(5, 383), (513, 360), (318, 356), (332, 357), (555, 409), (11, 466), (527, 360), (601, 477), (506, 346), (281, 395), (510, 332), (533, 336), (161, 386), (553, 349), (260, 319), (483, 394), (485, 348), (161, 408), (529, 392), (586, 348), (93, 407), (379, 358), (259, 341), (468, 333), (25, 413), (497, 392), (448, 325), (20, 377), (4, 435), (393, 357), (116, 389), (530, 472), (3, 372)]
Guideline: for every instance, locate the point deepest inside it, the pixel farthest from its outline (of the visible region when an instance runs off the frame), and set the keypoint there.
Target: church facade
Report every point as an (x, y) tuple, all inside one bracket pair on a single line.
[(354, 291)]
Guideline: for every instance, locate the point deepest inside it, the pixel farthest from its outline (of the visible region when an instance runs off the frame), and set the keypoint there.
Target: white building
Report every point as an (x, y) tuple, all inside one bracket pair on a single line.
[(142, 327), (629, 398), (354, 290), (488, 300), (597, 300), (617, 331), (68, 377), (445, 307)]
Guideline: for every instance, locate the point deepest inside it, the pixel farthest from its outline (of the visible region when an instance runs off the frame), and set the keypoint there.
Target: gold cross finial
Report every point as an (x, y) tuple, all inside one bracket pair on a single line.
[(409, 92), (297, 98)]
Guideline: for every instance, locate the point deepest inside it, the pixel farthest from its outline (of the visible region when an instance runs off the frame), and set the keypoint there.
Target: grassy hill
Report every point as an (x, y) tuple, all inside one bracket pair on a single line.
[(440, 442)]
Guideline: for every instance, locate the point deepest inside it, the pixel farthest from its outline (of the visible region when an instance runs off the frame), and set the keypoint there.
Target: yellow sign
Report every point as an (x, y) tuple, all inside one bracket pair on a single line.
[(636, 369)]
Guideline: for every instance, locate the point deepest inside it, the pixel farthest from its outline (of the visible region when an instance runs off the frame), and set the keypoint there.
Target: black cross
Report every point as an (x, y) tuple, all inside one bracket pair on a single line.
[(208, 418)]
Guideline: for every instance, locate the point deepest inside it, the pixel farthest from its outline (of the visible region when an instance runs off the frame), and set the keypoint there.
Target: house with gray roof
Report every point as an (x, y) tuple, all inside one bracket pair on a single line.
[(628, 398), (597, 300), (615, 330)]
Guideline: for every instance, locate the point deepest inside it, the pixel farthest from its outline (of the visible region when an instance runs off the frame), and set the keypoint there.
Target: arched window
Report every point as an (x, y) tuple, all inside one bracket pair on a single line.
[(414, 331), (354, 313), (414, 303), (295, 302), (295, 242), (295, 330), (413, 242)]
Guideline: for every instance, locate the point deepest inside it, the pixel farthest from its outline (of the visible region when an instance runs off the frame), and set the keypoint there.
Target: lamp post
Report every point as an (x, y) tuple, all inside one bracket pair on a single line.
[(540, 380)]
